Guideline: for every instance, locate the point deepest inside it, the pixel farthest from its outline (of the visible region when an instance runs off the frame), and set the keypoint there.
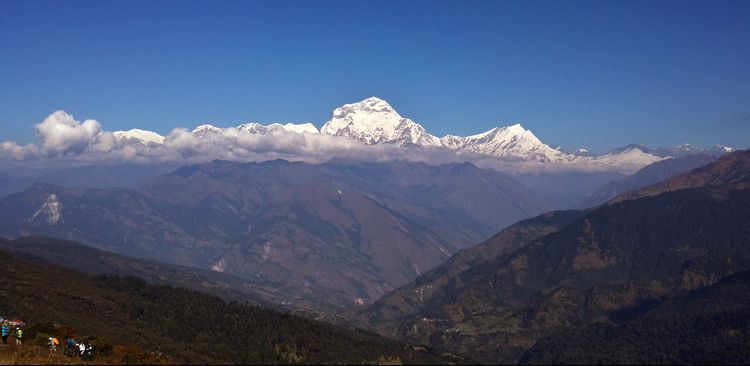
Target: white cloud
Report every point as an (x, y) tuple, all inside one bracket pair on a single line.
[(10, 150), (63, 135)]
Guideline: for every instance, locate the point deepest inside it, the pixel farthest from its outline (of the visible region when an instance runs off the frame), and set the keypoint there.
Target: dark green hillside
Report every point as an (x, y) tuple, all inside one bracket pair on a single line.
[(183, 324), (609, 264), (707, 326), (68, 254)]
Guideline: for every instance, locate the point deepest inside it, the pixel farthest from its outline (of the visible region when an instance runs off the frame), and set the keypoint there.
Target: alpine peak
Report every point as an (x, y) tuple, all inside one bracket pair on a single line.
[(142, 136), (207, 130), (373, 121)]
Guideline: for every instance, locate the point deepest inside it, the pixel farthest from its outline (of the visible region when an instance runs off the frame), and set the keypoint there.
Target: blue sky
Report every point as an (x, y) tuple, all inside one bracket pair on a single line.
[(599, 74)]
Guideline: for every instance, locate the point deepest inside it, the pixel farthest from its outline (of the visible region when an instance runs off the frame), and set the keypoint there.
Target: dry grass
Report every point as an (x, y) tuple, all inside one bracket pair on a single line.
[(31, 354)]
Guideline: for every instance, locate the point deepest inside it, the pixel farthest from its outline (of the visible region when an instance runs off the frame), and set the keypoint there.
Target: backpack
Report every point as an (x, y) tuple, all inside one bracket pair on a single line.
[(5, 330)]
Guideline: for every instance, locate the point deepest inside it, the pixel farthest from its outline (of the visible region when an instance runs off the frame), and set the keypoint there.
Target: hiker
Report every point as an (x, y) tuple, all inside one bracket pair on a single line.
[(53, 342), (18, 335), (5, 330), (87, 351), (70, 346)]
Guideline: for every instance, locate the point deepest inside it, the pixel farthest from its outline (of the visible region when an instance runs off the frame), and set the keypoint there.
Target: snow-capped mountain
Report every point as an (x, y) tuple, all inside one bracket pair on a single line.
[(207, 130), (374, 121), (630, 158), (718, 150), (275, 127), (142, 136), (634, 156), (512, 141), (582, 151)]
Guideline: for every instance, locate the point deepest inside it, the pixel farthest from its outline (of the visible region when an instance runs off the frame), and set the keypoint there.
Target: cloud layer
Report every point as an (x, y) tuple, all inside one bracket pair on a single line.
[(63, 140)]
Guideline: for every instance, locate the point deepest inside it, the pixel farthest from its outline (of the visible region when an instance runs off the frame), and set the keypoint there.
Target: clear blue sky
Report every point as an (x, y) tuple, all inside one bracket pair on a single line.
[(599, 74)]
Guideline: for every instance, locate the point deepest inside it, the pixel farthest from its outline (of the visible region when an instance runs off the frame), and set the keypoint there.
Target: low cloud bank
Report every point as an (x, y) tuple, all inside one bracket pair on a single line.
[(63, 140)]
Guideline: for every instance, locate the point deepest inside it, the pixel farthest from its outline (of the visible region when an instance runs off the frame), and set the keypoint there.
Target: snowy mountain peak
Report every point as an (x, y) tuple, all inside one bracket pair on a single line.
[(258, 128), (630, 157), (373, 121), (510, 141), (143, 136), (718, 150), (207, 130), (516, 128), (372, 105), (301, 128)]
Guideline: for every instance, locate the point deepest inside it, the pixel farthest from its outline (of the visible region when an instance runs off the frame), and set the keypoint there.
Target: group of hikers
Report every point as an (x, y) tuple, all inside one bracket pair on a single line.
[(72, 349), (14, 328), (9, 328)]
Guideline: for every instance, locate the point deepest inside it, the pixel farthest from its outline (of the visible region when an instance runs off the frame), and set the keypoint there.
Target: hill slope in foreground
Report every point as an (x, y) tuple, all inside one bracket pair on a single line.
[(182, 324)]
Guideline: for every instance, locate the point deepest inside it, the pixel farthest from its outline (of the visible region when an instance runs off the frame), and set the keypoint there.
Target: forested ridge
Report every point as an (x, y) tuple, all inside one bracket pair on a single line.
[(185, 325)]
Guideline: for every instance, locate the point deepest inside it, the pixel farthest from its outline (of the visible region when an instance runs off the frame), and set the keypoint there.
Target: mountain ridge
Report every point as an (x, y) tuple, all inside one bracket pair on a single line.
[(374, 121), (347, 231)]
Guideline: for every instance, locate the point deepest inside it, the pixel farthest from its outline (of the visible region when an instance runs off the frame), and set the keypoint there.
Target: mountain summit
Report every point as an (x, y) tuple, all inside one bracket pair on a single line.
[(514, 141), (373, 121)]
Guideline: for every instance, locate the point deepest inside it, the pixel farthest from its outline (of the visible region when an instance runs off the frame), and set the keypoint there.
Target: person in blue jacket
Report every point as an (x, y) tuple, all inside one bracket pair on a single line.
[(5, 331)]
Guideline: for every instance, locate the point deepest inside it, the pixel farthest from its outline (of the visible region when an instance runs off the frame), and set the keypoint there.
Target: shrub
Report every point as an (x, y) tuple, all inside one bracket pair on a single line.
[(44, 327), (64, 331), (102, 345), (41, 339)]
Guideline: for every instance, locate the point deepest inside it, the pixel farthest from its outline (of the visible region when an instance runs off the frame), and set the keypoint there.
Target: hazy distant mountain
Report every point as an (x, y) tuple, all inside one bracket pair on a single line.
[(630, 158), (731, 172), (92, 176), (566, 189), (651, 174), (568, 269), (350, 231)]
